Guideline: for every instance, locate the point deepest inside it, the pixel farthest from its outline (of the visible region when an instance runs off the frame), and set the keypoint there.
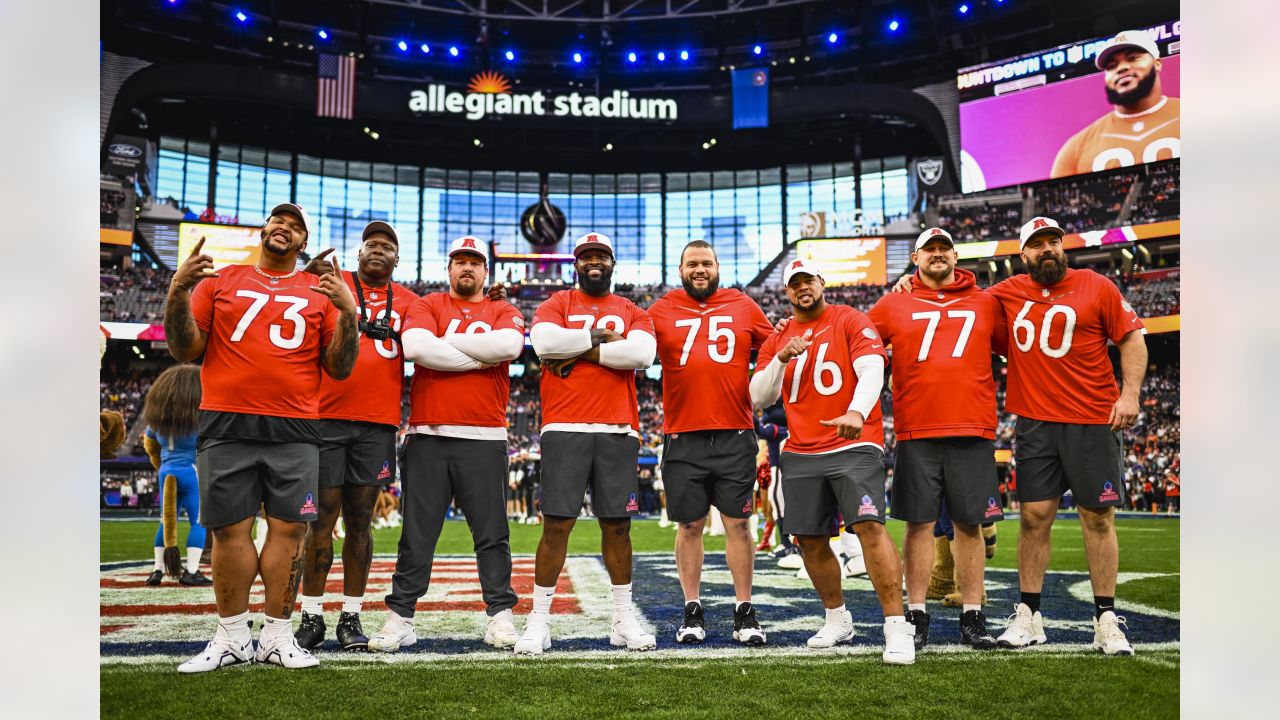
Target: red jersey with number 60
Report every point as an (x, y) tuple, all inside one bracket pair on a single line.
[(819, 384), (1059, 370), (266, 339), (373, 390), (942, 342), (705, 351), (592, 393), (477, 398)]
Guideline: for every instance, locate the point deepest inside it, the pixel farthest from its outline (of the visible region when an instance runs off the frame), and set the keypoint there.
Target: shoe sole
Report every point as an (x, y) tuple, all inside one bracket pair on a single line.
[(845, 639), (691, 637), (619, 641), (1010, 646), (309, 646), (751, 639), (352, 647), (499, 644), (888, 660), (1118, 653), (373, 646)]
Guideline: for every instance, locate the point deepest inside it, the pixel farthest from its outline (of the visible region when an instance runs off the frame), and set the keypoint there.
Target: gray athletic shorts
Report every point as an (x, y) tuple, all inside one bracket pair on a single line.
[(1055, 457), (574, 461), (816, 487), (357, 453), (236, 477), (708, 467), (960, 469)]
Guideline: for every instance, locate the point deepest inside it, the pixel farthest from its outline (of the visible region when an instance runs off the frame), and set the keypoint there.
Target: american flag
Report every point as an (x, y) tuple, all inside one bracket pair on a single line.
[(335, 86)]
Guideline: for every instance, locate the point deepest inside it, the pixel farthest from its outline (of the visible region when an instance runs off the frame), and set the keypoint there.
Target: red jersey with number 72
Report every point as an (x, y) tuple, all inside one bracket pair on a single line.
[(373, 391), (705, 351), (818, 385), (266, 339), (477, 398), (1059, 370), (942, 342), (592, 393)]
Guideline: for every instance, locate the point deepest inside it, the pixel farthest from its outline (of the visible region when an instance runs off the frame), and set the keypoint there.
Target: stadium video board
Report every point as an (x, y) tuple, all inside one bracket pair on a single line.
[(1051, 114), (226, 244), (846, 261)]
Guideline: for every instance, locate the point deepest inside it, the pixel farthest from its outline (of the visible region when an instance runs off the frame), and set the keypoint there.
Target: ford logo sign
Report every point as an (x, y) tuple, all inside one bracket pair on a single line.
[(125, 150)]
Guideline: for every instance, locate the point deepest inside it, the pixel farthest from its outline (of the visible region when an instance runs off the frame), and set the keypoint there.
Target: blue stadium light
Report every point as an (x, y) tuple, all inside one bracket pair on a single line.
[(894, 25), (631, 57), (509, 55), (757, 50), (404, 46), (241, 16), (425, 48), (324, 34), (684, 55), (963, 9), (833, 38), (662, 56), (453, 50), (577, 57)]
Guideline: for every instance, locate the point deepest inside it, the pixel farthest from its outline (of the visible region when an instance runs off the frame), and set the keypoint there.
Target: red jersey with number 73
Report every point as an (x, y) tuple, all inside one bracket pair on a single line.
[(373, 391), (1059, 370), (705, 351), (818, 385), (266, 339), (592, 393)]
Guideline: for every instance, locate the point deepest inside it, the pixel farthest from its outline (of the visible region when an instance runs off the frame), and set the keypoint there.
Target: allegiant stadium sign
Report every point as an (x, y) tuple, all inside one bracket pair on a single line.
[(489, 94)]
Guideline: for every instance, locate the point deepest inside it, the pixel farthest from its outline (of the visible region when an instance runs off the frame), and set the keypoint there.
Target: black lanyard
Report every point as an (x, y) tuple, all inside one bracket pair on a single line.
[(395, 334)]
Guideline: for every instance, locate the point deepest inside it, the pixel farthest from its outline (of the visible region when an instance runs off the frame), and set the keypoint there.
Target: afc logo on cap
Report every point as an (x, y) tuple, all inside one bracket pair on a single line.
[(796, 264), (1039, 223), (935, 231), (592, 238), (468, 243)]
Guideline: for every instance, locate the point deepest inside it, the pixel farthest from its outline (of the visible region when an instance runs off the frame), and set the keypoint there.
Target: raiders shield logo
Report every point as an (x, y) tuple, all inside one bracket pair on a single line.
[(929, 170)]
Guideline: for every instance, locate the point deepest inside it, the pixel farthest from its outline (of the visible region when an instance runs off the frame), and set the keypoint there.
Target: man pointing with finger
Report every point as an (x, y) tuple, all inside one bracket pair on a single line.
[(828, 365)]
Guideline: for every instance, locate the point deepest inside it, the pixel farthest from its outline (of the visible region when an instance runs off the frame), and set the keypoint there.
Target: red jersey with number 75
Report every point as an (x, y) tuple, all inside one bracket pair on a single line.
[(477, 398), (818, 385), (705, 351), (373, 391), (1059, 370), (942, 342), (592, 393), (267, 333)]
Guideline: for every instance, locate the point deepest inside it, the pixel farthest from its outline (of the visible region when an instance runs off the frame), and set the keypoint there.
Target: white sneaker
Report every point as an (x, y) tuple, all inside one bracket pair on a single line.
[(219, 653), (855, 566), (397, 632), (537, 636), (802, 573), (794, 561), (834, 632), (501, 630), (627, 631), (899, 643), (285, 652), (1108, 637), (1025, 628)]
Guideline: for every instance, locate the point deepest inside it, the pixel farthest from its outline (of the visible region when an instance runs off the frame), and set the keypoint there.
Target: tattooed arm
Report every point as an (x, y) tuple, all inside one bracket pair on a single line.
[(340, 356), (185, 339)]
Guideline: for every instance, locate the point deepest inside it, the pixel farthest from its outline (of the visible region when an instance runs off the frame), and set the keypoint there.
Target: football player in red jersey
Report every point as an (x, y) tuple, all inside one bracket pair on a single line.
[(266, 332), (462, 342), (359, 418), (1070, 416), (942, 335), (828, 366), (705, 337), (591, 342)]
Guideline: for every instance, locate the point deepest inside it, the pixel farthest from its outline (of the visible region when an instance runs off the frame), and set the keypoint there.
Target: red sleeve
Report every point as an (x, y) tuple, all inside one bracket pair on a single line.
[(767, 350), (640, 320), (999, 327), (422, 315), (508, 318), (761, 330), (1118, 315), (551, 310), (328, 323), (863, 338), (879, 317), (202, 304)]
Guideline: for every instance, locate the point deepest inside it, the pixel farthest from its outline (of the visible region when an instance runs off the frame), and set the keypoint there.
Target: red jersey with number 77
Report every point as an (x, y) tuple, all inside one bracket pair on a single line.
[(1059, 370), (373, 391), (267, 333), (705, 350), (592, 393), (818, 385), (942, 342)]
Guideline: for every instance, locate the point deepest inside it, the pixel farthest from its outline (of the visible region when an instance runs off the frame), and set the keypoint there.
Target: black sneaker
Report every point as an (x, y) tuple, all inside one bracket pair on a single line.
[(194, 579), (350, 635), (746, 629), (692, 629), (920, 619), (154, 578), (973, 631), (311, 632)]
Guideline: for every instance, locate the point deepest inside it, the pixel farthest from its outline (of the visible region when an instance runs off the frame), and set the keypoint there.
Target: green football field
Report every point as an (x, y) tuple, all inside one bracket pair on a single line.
[(1057, 680)]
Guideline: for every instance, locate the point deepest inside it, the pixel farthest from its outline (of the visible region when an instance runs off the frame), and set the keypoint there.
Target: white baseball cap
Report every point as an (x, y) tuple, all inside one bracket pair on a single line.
[(296, 210), (378, 226), (799, 266), (593, 241), (932, 233), (470, 244), (1126, 39), (1036, 226)]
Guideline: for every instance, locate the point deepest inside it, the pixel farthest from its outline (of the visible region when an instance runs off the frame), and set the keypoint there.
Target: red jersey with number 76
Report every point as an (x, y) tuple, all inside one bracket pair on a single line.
[(592, 393), (267, 333), (1059, 370), (373, 391), (818, 385), (705, 350)]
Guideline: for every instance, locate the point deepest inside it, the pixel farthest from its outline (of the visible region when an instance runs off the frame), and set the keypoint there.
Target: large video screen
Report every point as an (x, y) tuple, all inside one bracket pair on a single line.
[(226, 244), (1052, 114), (846, 261)]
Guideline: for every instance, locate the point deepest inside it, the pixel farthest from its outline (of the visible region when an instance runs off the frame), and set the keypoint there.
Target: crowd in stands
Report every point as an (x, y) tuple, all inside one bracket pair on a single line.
[(1085, 202), (1159, 199), (980, 222), (133, 294), (125, 391), (1152, 461)]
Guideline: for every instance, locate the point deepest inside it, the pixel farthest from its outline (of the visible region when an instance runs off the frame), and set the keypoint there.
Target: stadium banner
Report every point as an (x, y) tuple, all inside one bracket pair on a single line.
[(226, 244), (1016, 115), (846, 261), (1075, 241), (849, 223), (1163, 324), (115, 237), (132, 331)]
